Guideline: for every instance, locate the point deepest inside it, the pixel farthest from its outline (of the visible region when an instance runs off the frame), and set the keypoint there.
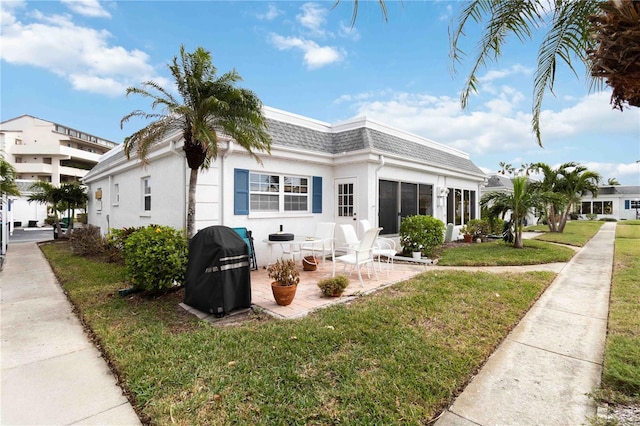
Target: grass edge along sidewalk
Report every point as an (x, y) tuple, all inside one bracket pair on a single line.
[(621, 372), (397, 356)]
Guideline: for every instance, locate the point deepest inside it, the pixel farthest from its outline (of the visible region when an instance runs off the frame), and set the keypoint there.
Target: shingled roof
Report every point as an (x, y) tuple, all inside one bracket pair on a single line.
[(291, 135), (313, 136)]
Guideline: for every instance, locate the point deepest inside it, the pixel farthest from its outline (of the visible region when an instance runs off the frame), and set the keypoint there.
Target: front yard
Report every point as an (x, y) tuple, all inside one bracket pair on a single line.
[(397, 356)]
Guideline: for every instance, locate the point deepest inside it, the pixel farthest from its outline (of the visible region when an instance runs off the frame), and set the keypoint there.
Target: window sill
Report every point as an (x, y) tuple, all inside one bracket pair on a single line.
[(146, 214), (278, 215)]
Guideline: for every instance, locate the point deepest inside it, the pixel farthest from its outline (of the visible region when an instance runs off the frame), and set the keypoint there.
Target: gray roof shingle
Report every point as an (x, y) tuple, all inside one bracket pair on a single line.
[(289, 135)]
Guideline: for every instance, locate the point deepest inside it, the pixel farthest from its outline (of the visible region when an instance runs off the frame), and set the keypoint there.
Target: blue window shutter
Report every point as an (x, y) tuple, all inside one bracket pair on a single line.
[(241, 191), (626, 205), (317, 195)]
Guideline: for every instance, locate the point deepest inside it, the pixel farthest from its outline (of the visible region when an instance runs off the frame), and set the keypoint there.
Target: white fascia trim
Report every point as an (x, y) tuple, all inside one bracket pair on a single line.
[(442, 170), (288, 117)]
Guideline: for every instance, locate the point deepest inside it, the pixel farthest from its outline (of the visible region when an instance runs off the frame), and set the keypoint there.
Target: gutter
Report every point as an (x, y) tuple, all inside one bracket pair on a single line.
[(375, 207)]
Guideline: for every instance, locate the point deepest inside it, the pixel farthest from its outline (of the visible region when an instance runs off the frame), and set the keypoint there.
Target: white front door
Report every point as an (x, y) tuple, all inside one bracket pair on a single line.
[(345, 202)]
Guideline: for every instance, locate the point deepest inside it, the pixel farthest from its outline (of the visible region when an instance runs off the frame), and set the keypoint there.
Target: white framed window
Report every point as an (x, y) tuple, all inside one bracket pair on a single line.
[(278, 193), (116, 194), (146, 194)]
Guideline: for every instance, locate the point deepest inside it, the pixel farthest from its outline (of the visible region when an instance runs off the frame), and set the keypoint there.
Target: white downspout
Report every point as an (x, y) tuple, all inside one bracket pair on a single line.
[(184, 183), (108, 202), (376, 214), (230, 148)]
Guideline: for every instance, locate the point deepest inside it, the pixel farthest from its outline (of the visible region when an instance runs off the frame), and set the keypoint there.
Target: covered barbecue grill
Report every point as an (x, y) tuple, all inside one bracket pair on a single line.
[(218, 275)]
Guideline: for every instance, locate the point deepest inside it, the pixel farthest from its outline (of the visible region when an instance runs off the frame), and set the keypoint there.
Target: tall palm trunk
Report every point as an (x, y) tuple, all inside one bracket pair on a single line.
[(191, 203), (551, 219)]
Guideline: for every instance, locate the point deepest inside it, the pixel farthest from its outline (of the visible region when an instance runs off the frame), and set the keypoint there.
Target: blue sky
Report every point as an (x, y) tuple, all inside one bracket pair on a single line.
[(71, 61)]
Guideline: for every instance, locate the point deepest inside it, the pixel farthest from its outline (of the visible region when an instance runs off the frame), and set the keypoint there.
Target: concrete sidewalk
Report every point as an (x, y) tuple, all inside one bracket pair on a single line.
[(51, 373), (543, 371)]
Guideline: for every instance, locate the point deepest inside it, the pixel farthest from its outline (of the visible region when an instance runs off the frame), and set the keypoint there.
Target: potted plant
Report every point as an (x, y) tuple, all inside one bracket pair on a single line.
[(467, 235), (475, 228), (334, 286), (286, 278)]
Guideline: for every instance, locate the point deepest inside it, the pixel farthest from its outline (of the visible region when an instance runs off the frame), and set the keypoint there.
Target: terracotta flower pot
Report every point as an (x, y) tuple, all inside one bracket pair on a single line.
[(309, 263), (468, 238), (283, 294)]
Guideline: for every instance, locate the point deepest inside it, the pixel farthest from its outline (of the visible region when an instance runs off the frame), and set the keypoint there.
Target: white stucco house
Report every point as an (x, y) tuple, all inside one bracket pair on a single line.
[(317, 172), (620, 202)]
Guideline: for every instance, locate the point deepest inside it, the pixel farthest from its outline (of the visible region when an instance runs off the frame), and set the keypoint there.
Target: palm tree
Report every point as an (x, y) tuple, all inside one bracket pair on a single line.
[(74, 196), (612, 182), (8, 178), (549, 182), (209, 106), (520, 202), (46, 193), (575, 182), (570, 181), (69, 196)]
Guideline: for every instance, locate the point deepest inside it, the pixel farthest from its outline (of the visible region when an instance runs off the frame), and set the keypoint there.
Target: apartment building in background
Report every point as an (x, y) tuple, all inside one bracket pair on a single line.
[(43, 150)]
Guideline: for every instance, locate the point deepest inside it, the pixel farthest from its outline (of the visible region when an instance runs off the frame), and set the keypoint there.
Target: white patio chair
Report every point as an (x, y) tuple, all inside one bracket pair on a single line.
[(349, 238), (383, 247), (325, 231), (361, 255)]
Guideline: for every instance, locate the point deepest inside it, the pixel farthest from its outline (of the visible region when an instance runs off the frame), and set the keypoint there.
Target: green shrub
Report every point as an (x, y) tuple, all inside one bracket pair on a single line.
[(609, 219), (117, 237), (591, 216), (333, 286), (155, 258), (494, 222), (421, 233)]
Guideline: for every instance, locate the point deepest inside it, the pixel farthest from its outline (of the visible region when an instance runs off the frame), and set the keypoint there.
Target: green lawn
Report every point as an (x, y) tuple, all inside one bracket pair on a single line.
[(576, 233), (398, 356), (621, 376), (499, 253)]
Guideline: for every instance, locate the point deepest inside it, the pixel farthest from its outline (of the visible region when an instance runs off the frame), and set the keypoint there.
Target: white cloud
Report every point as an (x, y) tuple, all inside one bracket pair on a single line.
[(506, 72), (591, 113), (315, 56), (91, 8), (82, 55), (313, 17), (499, 125), (272, 13)]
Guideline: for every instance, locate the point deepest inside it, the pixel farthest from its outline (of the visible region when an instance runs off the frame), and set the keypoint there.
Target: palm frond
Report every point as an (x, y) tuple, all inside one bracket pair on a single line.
[(568, 39), (505, 17)]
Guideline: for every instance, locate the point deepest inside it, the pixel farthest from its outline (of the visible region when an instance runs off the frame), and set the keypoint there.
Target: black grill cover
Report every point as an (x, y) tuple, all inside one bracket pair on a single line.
[(218, 275)]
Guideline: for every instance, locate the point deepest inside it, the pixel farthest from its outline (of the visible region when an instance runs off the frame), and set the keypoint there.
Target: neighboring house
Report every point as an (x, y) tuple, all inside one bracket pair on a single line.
[(619, 202), (43, 150), (501, 183), (317, 172)]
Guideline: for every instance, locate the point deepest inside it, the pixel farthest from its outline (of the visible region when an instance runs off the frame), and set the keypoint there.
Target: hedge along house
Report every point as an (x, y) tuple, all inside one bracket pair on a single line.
[(317, 172)]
